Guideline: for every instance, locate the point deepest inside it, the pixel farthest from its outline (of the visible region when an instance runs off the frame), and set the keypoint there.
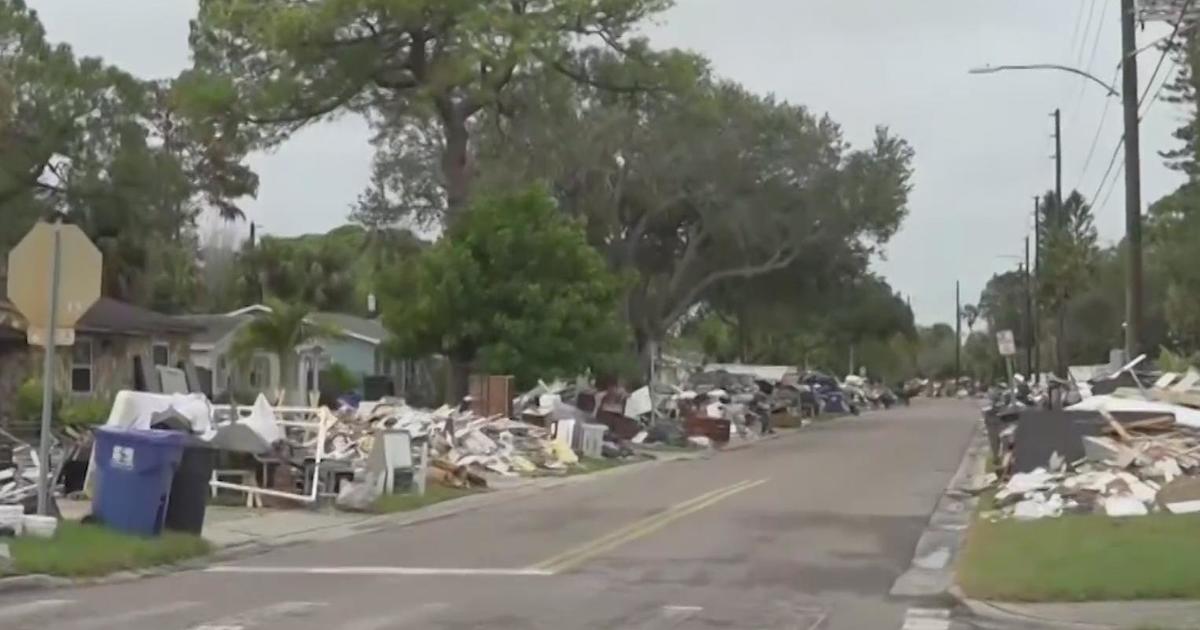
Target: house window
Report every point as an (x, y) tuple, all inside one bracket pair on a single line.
[(81, 366), (161, 353)]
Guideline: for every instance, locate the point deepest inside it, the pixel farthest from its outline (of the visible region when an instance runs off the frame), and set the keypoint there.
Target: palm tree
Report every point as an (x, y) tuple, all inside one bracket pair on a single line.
[(279, 332)]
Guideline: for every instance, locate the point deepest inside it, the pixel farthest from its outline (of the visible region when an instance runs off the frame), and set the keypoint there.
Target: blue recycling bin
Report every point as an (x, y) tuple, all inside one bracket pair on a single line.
[(135, 469)]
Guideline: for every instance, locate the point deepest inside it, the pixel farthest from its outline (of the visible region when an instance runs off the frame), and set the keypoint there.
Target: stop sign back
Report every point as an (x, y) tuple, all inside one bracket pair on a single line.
[(30, 275)]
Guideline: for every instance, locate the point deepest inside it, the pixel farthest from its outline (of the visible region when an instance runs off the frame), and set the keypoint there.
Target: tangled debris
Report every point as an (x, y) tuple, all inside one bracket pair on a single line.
[(1127, 466)]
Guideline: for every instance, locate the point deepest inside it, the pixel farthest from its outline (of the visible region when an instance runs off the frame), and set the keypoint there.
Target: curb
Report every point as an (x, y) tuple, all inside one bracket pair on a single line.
[(997, 612), (368, 525), (931, 573)]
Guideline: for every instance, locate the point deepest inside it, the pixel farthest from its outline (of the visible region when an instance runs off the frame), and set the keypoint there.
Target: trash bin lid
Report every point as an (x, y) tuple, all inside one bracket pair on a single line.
[(145, 436)]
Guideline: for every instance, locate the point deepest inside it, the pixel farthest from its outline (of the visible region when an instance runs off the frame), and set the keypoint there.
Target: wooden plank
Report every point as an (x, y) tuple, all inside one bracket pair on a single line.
[(1116, 426)]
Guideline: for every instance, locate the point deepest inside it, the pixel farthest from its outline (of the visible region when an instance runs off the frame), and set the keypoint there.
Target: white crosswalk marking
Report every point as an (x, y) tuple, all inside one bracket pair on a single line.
[(257, 616), (124, 619), (17, 612), (927, 619)]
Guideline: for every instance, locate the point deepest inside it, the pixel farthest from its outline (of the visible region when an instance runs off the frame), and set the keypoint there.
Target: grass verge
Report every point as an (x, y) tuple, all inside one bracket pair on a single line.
[(1083, 558), (89, 550), (434, 493)]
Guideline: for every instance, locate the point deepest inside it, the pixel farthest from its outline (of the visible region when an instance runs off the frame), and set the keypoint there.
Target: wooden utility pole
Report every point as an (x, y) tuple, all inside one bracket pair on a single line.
[(1029, 336), (1133, 180), (1037, 270), (957, 332), (1058, 159)]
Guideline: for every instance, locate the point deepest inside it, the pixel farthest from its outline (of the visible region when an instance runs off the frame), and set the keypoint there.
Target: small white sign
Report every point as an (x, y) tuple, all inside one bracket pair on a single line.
[(122, 457), (62, 337), (1007, 343)]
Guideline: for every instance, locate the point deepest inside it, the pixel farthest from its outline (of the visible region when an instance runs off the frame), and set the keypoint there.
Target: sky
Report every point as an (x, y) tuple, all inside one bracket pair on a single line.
[(983, 142)]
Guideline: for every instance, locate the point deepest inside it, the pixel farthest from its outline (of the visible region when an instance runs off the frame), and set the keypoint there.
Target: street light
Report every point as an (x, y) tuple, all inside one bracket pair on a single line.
[(990, 69)]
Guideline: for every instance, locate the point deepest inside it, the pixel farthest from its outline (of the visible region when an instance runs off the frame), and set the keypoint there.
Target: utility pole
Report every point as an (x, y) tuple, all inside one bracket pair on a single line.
[(957, 333), (1035, 314), (1058, 157), (1029, 325), (1133, 180)]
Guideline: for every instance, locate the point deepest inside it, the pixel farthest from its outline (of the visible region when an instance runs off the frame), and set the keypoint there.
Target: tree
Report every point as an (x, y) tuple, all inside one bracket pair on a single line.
[(335, 271), (280, 332), (1068, 257), (689, 191), (280, 64), (512, 289), (113, 154)]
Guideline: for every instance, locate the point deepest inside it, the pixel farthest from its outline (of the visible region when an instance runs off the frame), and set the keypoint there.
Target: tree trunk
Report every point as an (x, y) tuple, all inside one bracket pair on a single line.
[(1061, 342), (458, 376), (647, 344), (288, 378), (743, 333), (456, 166)]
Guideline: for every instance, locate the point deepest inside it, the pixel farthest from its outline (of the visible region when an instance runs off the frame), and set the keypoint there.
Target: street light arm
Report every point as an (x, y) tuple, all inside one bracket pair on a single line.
[(1048, 66)]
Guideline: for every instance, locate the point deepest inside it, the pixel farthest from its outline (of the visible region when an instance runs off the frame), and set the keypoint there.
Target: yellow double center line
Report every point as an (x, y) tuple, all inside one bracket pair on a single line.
[(574, 557)]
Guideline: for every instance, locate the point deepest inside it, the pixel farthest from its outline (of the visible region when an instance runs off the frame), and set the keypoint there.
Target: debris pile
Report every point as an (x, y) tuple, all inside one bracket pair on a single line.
[(1078, 462)]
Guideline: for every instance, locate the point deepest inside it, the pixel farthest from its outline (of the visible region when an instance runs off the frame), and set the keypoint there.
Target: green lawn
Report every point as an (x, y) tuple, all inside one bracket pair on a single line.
[(1083, 558), (89, 550), (434, 493)]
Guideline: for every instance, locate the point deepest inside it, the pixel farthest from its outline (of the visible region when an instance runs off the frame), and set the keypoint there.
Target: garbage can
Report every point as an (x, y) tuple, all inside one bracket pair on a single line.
[(189, 489), (135, 469)]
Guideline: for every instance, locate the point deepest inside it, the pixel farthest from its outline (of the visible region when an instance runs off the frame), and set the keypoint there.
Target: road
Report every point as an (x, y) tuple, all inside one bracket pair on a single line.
[(808, 531)]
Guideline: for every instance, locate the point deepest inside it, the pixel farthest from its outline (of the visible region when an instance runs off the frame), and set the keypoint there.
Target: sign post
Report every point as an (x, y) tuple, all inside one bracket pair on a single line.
[(1007, 344), (53, 279)]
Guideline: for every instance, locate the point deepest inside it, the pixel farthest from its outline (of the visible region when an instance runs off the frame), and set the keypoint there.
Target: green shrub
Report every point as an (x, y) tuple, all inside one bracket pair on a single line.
[(29, 401), (88, 412)]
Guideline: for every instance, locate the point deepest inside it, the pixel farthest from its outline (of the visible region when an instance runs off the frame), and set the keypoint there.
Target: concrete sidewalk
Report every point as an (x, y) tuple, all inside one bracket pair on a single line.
[(1134, 615)]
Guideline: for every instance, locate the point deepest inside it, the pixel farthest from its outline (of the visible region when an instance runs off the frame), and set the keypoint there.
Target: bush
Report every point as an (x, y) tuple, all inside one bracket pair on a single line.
[(29, 401), (89, 412), (337, 380)]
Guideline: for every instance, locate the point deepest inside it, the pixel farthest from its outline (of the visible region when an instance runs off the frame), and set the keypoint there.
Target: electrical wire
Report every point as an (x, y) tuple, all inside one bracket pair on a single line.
[(1075, 33), (1111, 163), (1166, 51), (1091, 60)]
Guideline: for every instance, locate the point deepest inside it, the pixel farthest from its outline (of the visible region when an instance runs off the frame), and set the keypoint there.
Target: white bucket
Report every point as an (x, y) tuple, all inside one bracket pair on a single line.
[(40, 526), (11, 517)]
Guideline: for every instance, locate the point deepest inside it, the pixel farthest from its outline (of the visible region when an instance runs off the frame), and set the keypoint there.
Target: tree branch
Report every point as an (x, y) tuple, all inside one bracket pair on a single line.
[(780, 260)]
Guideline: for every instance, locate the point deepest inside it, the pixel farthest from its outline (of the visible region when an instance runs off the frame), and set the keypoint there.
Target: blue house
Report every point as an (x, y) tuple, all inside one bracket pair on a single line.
[(358, 347)]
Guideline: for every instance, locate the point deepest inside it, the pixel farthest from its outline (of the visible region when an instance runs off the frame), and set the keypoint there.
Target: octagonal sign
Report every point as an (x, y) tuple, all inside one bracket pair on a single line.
[(30, 269)]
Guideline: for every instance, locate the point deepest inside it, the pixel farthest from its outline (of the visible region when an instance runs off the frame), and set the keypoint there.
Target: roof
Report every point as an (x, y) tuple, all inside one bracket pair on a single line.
[(368, 330), (114, 316), (213, 328), (109, 316), (773, 373)]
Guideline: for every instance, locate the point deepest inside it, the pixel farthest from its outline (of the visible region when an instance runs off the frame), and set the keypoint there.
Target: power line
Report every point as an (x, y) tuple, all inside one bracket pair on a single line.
[(1111, 188), (1078, 22), (1161, 86), (1111, 163), (1091, 57), (1086, 30), (1099, 130), (1166, 50)]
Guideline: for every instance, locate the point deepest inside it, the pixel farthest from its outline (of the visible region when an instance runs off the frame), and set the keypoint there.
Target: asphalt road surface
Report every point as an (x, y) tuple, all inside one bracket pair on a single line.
[(805, 532)]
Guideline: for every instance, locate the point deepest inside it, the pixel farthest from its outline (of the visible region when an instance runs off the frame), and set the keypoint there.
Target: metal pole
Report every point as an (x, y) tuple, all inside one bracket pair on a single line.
[(44, 481), (1133, 181)]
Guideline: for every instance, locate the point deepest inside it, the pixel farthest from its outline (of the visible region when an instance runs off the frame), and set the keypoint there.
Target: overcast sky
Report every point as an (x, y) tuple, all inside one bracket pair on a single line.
[(983, 143)]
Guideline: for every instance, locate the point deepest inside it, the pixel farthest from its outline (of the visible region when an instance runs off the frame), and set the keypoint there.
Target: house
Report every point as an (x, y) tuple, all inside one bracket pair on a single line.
[(116, 345), (358, 348)]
